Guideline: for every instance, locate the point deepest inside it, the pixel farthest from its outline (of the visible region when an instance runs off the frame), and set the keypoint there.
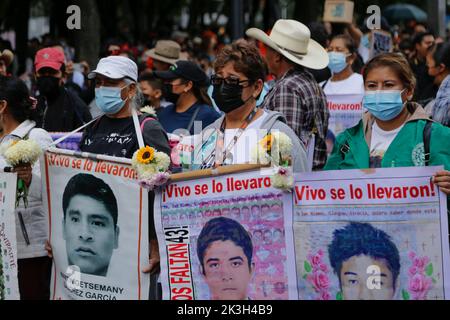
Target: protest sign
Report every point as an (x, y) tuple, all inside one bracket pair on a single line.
[(380, 42), (98, 220), (339, 11), (9, 285), (379, 234), (225, 238), (346, 111)]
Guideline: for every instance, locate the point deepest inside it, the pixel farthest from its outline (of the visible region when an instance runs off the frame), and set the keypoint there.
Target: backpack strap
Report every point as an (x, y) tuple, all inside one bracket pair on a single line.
[(194, 117), (426, 141), (148, 119)]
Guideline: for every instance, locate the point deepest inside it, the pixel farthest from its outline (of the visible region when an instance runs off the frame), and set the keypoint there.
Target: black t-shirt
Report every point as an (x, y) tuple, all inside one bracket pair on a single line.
[(117, 137), (65, 113)]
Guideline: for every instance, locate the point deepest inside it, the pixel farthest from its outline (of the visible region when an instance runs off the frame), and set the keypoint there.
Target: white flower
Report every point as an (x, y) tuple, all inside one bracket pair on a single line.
[(149, 110), (151, 172), (259, 155), (162, 161), (283, 179), (283, 144), (22, 152)]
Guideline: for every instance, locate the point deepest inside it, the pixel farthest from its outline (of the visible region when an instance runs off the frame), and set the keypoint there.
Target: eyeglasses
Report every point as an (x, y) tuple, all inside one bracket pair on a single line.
[(217, 81)]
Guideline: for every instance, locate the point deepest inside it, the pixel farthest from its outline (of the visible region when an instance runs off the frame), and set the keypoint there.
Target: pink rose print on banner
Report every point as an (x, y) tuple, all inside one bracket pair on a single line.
[(420, 275), (317, 275)]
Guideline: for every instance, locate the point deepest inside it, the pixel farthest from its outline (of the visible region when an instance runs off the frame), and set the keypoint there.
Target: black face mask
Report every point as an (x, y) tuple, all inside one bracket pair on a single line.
[(48, 86), (228, 97), (169, 95)]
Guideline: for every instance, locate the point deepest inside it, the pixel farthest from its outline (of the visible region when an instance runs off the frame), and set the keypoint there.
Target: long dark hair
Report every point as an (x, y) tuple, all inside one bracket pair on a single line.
[(201, 93), (17, 95)]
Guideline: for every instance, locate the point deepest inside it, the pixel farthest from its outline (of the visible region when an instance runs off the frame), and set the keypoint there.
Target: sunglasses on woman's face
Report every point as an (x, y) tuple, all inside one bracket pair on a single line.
[(217, 81)]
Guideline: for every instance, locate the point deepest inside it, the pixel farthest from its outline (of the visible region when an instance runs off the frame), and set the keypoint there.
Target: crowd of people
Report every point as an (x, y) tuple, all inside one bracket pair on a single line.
[(277, 82)]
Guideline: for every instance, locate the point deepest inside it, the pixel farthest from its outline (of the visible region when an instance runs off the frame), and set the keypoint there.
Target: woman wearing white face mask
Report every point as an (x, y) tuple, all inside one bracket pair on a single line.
[(394, 132)]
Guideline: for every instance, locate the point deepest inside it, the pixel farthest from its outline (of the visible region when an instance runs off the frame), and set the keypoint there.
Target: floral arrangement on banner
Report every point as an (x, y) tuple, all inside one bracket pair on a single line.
[(420, 276), (152, 167), (276, 149), (316, 274), (21, 153)]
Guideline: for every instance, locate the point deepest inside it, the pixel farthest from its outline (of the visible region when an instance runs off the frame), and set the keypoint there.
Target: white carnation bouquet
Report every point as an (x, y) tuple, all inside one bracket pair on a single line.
[(276, 149), (152, 167), (21, 153)]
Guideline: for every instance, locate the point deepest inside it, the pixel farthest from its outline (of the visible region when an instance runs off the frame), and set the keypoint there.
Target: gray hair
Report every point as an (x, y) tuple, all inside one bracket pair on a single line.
[(136, 102)]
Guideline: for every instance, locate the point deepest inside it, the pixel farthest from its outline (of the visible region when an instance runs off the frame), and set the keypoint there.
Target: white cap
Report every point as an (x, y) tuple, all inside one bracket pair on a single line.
[(116, 67)]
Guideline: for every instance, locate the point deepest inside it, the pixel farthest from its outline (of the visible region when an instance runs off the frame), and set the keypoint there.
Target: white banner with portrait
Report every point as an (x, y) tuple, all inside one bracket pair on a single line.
[(225, 238), (98, 218), (374, 235), (9, 284)]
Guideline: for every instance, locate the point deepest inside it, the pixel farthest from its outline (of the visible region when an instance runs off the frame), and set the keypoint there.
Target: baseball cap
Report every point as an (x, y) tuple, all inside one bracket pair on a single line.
[(49, 58), (187, 70), (116, 67)]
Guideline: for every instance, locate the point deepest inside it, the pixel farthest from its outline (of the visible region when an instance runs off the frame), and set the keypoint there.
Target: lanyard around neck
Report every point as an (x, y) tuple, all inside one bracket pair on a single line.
[(221, 138)]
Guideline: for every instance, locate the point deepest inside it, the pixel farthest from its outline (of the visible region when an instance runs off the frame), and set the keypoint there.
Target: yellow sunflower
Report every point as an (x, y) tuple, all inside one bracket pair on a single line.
[(145, 155), (267, 142)]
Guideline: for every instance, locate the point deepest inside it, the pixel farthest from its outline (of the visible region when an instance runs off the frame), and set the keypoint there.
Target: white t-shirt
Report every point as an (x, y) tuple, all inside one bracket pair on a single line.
[(241, 153), (249, 139), (380, 142), (352, 85)]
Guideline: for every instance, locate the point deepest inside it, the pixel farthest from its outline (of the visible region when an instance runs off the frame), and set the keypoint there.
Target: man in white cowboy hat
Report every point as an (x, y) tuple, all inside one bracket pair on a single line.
[(297, 95), (6, 58)]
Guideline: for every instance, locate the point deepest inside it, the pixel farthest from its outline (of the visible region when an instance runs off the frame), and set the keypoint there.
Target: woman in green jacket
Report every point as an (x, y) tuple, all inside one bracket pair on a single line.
[(394, 132)]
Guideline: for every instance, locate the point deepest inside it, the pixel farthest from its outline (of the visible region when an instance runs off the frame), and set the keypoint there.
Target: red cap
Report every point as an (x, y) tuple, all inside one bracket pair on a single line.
[(49, 58)]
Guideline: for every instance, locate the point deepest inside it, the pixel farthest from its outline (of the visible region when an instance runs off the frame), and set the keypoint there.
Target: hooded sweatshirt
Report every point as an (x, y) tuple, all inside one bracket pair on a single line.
[(272, 121)]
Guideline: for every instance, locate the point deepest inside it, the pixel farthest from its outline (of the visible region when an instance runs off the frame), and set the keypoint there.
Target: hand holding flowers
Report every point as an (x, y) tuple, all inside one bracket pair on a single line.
[(22, 155)]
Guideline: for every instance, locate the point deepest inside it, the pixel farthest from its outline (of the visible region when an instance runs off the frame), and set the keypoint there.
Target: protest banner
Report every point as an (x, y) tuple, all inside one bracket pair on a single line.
[(224, 237), (380, 42), (98, 226), (9, 284), (339, 11), (378, 234), (69, 143), (345, 111)]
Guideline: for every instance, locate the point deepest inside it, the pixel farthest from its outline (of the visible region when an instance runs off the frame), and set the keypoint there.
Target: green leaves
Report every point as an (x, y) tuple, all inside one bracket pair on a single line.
[(307, 266), (429, 270), (405, 295), (339, 296)]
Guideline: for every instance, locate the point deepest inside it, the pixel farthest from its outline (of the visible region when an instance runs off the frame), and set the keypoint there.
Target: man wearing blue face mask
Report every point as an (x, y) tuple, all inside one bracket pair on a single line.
[(394, 132)]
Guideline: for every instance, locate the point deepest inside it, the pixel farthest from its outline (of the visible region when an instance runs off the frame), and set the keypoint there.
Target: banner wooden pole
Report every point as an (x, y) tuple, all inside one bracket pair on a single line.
[(215, 172)]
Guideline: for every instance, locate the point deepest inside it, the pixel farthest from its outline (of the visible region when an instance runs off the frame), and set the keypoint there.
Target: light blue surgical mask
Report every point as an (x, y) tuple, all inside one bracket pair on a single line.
[(338, 61), (109, 99), (385, 105)]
